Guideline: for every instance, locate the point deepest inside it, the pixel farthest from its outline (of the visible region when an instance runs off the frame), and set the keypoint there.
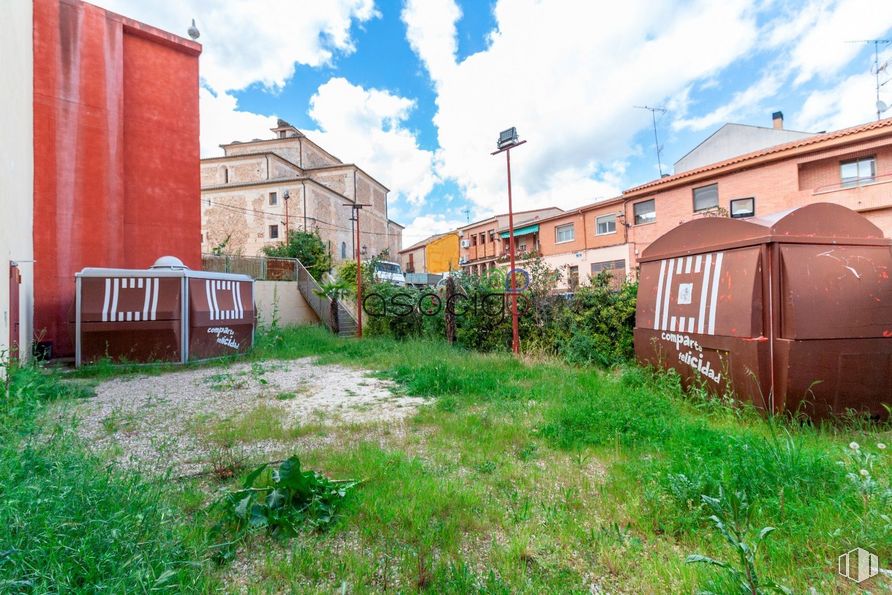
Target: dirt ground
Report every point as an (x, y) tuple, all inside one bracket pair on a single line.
[(187, 420)]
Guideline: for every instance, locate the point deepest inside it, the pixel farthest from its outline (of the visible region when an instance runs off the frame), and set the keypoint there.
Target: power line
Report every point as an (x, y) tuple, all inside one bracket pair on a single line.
[(271, 214)]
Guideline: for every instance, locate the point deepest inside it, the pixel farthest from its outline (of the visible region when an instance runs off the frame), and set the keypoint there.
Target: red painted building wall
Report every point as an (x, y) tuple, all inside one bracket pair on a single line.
[(116, 152)]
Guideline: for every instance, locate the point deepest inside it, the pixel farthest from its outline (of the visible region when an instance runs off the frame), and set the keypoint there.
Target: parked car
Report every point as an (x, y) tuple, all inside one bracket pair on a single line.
[(389, 272)]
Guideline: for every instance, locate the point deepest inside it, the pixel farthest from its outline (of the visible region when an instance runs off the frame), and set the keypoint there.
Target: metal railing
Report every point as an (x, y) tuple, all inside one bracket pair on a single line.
[(264, 268), (321, 305), (261, 268)]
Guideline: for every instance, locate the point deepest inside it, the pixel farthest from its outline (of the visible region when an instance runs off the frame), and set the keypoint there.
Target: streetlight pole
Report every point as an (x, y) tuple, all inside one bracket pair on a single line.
[(507, 141), (356, 208)]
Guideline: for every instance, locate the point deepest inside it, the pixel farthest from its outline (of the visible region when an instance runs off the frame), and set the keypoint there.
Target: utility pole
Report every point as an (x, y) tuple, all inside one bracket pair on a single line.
[(357, 207), (653, 114), (507, 141)]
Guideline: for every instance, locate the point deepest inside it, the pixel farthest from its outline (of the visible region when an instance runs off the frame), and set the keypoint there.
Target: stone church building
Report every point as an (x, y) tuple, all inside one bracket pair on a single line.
[(260, 189)]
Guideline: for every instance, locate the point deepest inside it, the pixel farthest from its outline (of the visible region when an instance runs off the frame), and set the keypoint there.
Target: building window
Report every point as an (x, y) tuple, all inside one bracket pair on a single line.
[(857, 172), (483, 238), (645, 212), (743, 207), (573, 277), (343, 250), (564, 233), (225, 175), (616, 269), (474, 240), (273, 198), (605, 224), (273, 232), (706, 197)]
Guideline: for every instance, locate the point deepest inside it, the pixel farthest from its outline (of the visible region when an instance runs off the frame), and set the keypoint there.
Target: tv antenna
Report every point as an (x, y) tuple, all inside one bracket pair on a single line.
[(877, 69), (653, 114), (467, 213)]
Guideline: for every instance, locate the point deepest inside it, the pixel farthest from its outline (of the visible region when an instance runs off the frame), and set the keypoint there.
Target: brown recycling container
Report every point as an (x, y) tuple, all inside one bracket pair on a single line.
[(165, 313), (792, 311)]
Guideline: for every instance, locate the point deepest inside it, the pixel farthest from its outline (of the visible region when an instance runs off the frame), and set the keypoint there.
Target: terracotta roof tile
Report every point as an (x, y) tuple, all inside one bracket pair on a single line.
[(791, 146)]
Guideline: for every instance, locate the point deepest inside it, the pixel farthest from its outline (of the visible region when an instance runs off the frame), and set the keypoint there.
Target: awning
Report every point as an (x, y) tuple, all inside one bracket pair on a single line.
[(521, 231)]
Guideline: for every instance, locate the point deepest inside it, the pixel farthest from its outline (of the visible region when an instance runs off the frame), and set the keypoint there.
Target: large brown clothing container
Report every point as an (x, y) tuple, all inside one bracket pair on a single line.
[(792, 311)]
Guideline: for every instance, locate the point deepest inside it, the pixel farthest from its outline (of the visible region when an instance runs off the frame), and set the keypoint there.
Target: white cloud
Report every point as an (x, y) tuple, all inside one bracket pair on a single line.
[(743, 101), (430, 29), (365, 126), (567, 74), (222, 122), (810, 41), (425, 226), (245, 43), (823, 48), (259, 41), (849, 103)]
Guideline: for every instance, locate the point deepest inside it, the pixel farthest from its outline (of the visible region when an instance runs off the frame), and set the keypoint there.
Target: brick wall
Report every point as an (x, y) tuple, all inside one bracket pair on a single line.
[(116, 152)]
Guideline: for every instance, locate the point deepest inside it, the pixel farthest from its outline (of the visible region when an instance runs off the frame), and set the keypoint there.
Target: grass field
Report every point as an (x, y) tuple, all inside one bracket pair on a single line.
[(517, 476)]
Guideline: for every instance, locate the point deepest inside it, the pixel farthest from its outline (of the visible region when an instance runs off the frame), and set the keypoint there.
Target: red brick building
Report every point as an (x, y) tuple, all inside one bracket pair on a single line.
[(851, 167), (116, 152)]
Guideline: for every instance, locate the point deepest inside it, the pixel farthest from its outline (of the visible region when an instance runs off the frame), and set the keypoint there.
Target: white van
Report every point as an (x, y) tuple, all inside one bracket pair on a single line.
[(389, 272)]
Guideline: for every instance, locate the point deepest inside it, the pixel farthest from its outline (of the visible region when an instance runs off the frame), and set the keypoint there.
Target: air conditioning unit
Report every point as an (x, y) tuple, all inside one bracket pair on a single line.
[(466, 243)]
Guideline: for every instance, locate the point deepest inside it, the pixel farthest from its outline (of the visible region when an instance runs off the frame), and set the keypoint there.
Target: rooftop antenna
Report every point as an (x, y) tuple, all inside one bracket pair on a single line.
[(877, 69), (653, 114), (467, 213)]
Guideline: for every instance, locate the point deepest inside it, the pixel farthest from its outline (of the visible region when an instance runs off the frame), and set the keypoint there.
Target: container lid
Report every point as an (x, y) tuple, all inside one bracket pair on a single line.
[(169, 262), (817, 223)]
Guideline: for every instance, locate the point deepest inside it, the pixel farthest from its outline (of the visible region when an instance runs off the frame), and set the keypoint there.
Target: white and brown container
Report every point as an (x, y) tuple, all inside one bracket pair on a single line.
[(166, 313)]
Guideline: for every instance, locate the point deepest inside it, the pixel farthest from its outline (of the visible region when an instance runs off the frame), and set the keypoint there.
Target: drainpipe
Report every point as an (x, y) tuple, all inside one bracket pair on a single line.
[(304, 184)]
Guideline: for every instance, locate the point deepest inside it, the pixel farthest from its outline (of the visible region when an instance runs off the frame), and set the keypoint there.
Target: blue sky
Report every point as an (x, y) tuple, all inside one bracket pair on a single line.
[(416, 91)]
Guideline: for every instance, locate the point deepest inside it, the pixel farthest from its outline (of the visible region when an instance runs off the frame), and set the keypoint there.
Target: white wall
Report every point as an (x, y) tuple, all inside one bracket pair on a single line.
[(16, 165), (584, 259), (285, 298)]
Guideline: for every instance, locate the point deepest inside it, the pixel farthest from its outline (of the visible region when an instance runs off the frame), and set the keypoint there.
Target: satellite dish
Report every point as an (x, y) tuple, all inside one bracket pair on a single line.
[(881, 106)]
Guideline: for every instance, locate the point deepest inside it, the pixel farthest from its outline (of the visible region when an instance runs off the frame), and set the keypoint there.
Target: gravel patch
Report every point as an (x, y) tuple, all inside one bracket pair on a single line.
[(156, 423)]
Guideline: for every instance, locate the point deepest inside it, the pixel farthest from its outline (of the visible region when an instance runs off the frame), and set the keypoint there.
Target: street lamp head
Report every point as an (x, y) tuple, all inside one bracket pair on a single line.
[(287, 195), (507, 138)]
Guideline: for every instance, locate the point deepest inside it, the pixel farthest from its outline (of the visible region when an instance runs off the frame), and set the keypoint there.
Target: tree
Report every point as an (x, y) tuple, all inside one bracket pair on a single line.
[(333, 289), (308, 248)]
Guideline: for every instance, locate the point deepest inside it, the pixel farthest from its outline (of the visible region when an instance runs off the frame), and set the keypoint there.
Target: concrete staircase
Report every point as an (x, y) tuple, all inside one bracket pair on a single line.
[(321, 305)]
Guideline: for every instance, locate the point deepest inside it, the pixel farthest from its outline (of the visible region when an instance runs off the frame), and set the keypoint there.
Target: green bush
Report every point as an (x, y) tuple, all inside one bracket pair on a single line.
[(308, 248), (593, 326), (598, 324)]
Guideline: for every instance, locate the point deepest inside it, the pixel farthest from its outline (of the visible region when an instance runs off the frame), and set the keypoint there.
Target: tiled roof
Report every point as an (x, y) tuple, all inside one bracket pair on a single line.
[(794, 146), (426, 241)]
